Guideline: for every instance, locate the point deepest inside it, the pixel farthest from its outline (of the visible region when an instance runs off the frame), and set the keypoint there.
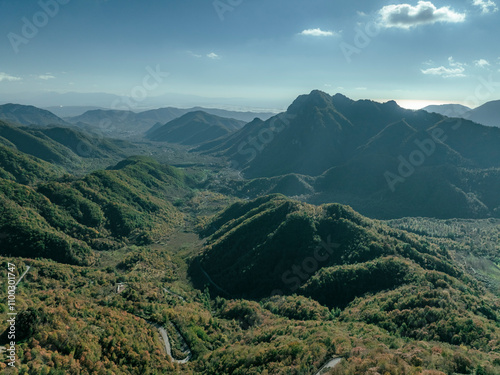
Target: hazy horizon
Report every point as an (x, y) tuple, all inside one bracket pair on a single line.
[(47, 100)]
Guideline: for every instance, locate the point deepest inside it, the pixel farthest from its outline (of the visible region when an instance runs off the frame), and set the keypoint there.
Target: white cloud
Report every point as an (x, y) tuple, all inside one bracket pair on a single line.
[(445, 72), (454, 70), (191, 53), (481, 63), (46, 76), (454, 63), (213, 56), (7, 77), (318, 32), (406, 16), (487, 6)]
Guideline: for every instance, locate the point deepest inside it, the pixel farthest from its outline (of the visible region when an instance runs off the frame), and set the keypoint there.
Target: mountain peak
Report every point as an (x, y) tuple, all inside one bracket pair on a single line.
[(315, 98)]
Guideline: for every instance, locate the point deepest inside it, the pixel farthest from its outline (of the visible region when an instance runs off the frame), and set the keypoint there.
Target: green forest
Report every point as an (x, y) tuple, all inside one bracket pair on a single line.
[(122, 250)]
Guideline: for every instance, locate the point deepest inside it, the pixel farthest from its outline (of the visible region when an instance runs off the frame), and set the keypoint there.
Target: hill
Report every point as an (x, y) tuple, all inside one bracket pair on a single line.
[(333, 255), (123, 123), (487, 114), (66, 219), (111, 256), (450, 110), (63, 146), (194, 128), (70, 111), (24, 169), (28, 115)]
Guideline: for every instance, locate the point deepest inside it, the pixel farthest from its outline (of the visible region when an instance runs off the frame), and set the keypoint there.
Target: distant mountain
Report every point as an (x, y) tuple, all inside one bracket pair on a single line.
[(194, 128), (242, 116), (55, 99), (118, 123), (29, 115), (70, 111), (114, 123), (381, 159), (487, 114), (450, 110)]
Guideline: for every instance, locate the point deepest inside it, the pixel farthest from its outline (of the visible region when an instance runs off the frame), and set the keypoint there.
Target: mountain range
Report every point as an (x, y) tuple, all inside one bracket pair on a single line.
[(383, 160), (116, 255), (123, 123), (486, 114)]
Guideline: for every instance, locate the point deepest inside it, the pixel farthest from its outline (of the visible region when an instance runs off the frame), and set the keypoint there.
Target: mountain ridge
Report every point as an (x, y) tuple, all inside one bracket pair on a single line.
[(194, 128)]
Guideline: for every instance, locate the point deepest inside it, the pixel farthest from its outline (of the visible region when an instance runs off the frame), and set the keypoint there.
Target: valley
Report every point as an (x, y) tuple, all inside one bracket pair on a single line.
[(295, 257)]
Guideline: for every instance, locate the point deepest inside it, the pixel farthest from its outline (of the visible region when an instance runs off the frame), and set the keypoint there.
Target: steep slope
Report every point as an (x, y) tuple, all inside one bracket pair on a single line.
[(64, 219), (28, 115), (23, 168), (383, 160), (253, 245), (35, 143), (194, 128), (317, 132), (85, 145), (330, 253), (63, 146)]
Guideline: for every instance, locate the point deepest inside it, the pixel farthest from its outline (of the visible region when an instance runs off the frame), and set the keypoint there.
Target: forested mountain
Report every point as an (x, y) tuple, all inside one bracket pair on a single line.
[(63, 146), (29, 115), (116, 254), (64, 218), (330, 253), (383, 160)]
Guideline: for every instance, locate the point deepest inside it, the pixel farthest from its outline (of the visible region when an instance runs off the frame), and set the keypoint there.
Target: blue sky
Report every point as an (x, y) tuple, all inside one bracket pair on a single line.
[(263, 52)]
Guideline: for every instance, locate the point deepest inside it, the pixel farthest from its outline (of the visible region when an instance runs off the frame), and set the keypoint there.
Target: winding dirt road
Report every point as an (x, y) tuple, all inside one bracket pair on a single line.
[(331, 364), (168, 347), (24, 274)]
